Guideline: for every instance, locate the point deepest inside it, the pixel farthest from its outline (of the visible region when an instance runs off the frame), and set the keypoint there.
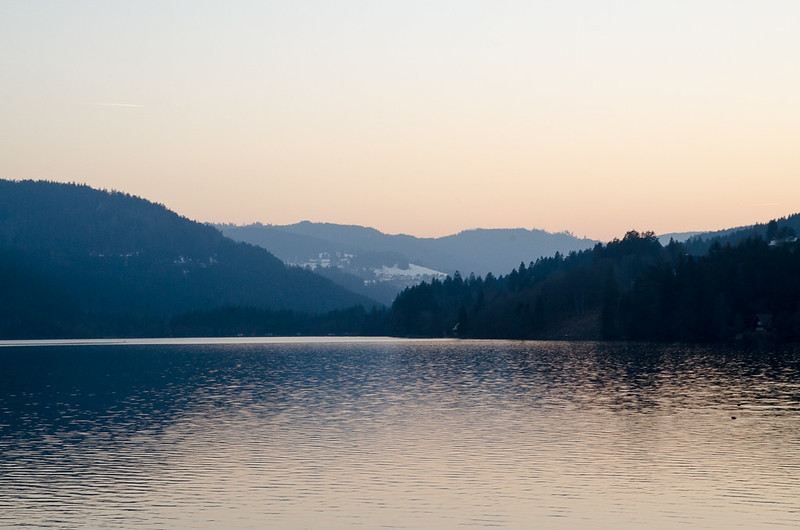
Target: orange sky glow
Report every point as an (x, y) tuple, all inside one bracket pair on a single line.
[(412, 117)]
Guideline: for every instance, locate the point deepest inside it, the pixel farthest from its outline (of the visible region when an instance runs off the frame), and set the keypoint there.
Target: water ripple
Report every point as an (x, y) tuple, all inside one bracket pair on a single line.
[(405, 434)]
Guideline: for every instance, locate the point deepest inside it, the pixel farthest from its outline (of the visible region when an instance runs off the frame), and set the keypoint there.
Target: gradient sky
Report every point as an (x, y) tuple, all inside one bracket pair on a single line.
[(424, 118)]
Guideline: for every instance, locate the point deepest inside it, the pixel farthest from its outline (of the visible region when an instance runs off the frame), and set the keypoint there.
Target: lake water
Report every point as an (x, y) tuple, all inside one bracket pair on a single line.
[(376, 433)]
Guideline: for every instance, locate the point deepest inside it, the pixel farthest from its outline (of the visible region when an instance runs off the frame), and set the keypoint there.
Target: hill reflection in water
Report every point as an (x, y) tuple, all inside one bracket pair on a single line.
[(406, 433)]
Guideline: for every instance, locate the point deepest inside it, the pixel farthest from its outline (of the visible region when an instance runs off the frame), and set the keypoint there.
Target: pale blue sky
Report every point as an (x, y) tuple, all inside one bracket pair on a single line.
[(416, 117)]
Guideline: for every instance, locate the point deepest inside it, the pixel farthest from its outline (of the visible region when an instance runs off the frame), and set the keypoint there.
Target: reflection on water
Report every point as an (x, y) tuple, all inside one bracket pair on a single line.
[(409, 434)]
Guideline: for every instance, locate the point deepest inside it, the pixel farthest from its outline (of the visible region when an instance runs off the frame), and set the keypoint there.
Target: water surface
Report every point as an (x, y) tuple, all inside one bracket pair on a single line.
[(315, 433)]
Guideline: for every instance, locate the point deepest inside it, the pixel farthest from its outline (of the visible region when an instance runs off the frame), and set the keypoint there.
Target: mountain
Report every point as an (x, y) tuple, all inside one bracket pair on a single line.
[(498, 250), (680, 237), (75, 260), (393, 262)]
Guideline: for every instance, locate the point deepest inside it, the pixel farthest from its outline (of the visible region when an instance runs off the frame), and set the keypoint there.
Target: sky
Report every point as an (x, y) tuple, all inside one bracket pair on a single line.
[(418, 117)]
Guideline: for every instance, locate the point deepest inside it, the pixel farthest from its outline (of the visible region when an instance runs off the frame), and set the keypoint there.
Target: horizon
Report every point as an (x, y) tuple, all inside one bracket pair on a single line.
[(530, 229), (357, 225), (414, 118)]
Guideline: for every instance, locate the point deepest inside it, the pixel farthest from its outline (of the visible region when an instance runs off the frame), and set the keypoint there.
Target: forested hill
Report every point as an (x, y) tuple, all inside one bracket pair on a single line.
[(633, 288), (776, 229), (75, 261)]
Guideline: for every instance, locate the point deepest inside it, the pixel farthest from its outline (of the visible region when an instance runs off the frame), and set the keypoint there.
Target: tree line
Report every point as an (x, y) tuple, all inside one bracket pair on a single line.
[(628, 289)]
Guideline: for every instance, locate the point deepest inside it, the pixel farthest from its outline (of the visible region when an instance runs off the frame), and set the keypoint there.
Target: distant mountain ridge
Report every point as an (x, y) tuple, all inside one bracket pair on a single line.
[(476, 251), (97, 259), (362, 251)]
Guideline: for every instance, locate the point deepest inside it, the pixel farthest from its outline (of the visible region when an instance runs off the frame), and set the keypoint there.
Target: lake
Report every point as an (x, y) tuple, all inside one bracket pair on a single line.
[(247, 433)]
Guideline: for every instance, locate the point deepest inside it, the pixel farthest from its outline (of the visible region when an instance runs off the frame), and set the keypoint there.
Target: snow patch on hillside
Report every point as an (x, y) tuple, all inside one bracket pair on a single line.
[(412, 272)]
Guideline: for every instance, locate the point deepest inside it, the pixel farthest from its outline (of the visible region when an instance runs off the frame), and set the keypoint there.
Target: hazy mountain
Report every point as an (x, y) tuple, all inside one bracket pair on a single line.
[(680, 237), (479, 251), (78, 255), (397, 261), (499, 250)]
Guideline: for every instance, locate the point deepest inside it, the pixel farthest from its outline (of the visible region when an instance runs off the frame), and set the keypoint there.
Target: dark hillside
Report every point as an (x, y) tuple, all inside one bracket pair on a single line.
[(634, 289), (72, 253), (776, 229)]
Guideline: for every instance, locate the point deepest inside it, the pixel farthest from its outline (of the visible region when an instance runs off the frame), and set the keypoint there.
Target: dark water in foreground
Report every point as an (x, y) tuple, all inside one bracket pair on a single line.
[(398, 433)]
